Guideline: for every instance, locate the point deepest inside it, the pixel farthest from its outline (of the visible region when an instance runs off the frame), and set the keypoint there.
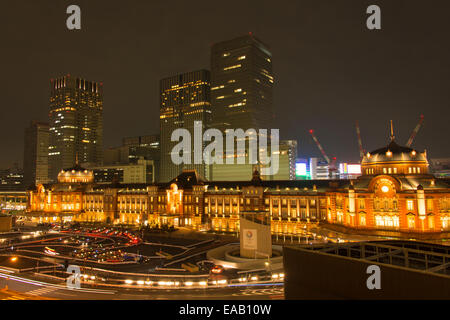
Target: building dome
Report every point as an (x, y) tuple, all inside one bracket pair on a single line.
[(76, 174), (394, 159)]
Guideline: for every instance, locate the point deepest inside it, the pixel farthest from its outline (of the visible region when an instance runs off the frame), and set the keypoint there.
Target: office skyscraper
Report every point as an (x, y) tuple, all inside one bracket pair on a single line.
[(241, 95), (76, 125), (184, 99), (35, 157), (241, 84)]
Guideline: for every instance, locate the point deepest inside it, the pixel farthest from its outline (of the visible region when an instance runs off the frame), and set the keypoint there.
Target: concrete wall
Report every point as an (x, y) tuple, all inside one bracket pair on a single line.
[(313, 275)]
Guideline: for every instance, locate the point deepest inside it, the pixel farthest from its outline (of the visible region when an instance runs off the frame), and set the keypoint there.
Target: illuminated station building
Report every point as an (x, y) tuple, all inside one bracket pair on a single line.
[(394, 193)]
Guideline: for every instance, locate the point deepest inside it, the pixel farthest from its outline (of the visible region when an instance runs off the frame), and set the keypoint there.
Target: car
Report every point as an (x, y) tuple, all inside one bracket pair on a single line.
[(217, 269)]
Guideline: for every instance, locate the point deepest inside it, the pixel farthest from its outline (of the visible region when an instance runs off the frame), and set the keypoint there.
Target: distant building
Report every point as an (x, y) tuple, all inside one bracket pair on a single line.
[(135, 148), (76, 123), (116, 155), (141, 171), (184, 99), (287, 157), (12, 179), (13, 201), (35, 158), (440, 167), (319, 169)]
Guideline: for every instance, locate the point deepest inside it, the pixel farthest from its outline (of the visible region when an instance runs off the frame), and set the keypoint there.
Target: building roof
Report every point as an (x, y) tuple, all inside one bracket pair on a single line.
[(187, 179), (393, 152), (77, 167)]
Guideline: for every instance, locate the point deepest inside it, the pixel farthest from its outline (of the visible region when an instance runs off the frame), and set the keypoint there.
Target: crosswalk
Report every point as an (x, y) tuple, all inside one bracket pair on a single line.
[(41, 291)]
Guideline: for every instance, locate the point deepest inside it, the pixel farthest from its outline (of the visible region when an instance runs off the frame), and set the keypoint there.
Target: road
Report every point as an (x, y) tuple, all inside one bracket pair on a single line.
[(20, 285), (37, 289)]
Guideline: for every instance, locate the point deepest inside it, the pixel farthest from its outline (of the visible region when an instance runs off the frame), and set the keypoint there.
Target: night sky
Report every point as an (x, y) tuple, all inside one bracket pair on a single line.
[(329, 69)]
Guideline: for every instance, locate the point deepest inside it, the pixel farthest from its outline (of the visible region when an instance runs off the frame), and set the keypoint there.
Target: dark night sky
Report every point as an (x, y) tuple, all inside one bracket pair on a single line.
[(329, 69)]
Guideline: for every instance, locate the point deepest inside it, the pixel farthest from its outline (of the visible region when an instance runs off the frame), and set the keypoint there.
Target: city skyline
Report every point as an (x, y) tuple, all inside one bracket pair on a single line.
[(308, 93), (233, 153)]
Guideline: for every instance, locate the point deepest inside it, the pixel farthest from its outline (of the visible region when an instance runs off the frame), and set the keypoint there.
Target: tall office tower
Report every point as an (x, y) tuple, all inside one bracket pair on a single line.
[(241, 84), (184, 99), (76, 124), (241, 95), (35, 156)]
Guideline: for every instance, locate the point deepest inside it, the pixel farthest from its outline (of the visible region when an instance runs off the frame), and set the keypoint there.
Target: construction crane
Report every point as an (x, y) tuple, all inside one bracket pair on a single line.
[(332, 163), (319, 146), (414, 133), (361, 149)]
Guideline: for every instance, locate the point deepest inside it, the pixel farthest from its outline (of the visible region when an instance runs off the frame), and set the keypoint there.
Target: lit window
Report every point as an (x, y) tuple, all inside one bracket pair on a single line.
[(362, 220), (362, 204), (445, 222), (430, 222), (410, 205), (411, 222), (430, 204), (232, 67)]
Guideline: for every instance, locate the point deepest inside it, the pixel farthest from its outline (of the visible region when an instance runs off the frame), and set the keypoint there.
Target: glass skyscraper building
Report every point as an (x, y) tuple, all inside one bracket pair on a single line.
[(184, 99), (76, 124), (241, 95), (35, 157), (241, 84)]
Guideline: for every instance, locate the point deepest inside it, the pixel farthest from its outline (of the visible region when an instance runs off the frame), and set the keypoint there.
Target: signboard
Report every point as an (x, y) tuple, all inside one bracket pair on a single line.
[(300, 169), (250, 239), (348, 168), (354, 168)]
